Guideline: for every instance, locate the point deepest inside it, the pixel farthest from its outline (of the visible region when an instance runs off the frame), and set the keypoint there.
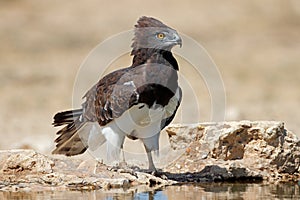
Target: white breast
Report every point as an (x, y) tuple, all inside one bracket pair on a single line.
[(139, 121), (172, 105)]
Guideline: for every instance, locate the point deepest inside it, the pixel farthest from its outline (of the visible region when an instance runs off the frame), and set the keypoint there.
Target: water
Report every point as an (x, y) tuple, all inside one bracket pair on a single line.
[(199, 191)]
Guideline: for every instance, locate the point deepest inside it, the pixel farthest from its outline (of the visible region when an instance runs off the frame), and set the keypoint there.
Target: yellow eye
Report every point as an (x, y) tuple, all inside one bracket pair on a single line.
[(160, 35)]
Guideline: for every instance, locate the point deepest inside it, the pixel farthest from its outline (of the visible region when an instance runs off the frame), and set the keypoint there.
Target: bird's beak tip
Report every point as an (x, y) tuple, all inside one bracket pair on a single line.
[(179, 42)]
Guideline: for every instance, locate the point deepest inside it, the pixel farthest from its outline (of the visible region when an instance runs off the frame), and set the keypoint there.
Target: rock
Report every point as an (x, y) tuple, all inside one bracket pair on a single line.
[(188, 134), (243, 150), (37, 172), (25, 160), (227, 151)]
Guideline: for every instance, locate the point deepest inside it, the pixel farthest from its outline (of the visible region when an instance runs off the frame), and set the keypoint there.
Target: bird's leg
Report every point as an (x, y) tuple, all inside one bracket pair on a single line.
[(151, 144), (123, 163), (123, 167), (150, 160), (123, 155)]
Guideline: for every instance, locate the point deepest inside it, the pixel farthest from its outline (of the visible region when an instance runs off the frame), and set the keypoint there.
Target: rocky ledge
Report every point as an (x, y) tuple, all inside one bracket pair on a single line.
[(229, 151)]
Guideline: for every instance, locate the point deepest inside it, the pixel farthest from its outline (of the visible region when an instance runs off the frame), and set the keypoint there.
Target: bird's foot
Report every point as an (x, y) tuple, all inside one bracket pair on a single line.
[(151, 171), (123, 167), (155, 172)]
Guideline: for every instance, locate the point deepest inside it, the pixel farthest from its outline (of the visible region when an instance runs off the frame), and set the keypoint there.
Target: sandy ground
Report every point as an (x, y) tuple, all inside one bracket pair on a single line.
[(255, 44)]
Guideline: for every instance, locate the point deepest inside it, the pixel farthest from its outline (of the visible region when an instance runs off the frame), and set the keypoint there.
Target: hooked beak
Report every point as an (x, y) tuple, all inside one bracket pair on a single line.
[(172, 40), (179, 42), (177, 39)]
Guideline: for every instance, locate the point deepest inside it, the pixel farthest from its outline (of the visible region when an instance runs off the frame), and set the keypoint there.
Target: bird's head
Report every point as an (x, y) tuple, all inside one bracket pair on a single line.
[(152, 33)]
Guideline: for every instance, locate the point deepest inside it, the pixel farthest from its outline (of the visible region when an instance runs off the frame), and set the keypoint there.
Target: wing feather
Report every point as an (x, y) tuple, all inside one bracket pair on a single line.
[(120, 90)]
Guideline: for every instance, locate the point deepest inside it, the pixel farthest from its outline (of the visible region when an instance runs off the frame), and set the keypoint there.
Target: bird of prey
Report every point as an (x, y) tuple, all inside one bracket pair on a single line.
[(136, 102)]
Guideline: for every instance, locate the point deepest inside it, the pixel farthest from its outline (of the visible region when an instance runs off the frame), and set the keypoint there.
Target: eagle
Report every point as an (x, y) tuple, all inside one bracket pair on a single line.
[(136, 102)]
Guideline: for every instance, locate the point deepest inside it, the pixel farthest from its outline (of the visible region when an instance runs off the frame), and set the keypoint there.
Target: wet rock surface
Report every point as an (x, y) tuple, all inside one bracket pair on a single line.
[(227, 151)]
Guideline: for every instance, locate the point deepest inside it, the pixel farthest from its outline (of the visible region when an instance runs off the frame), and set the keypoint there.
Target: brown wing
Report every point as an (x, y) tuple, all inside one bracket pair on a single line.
[(107, 99), (120, 90)]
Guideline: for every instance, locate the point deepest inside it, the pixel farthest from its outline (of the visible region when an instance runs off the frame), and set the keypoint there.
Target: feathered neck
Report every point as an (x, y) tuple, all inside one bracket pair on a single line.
[(140, 56), (147, 55)]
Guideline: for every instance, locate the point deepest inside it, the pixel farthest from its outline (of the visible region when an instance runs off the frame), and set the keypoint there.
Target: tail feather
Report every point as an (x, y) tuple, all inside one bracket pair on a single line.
[(69, 142), (66, 117)]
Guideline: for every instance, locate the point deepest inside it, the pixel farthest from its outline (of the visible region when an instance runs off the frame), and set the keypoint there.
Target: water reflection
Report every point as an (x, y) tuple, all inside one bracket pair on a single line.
[(199, 191)]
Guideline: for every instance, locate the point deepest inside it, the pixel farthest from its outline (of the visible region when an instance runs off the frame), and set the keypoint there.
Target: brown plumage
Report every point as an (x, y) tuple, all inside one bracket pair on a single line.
[(150, 81)]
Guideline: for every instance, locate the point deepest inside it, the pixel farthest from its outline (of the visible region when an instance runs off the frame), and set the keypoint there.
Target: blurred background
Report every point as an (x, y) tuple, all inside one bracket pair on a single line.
[(255, 44)]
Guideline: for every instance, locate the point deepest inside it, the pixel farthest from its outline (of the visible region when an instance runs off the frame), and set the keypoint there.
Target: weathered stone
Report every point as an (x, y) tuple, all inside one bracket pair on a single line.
[(26, 160), (262, 147), (227, 151), (38, 172)]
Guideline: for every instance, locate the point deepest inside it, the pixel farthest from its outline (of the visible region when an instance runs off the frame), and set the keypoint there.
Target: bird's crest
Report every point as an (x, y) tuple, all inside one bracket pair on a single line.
[(145, 22)]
